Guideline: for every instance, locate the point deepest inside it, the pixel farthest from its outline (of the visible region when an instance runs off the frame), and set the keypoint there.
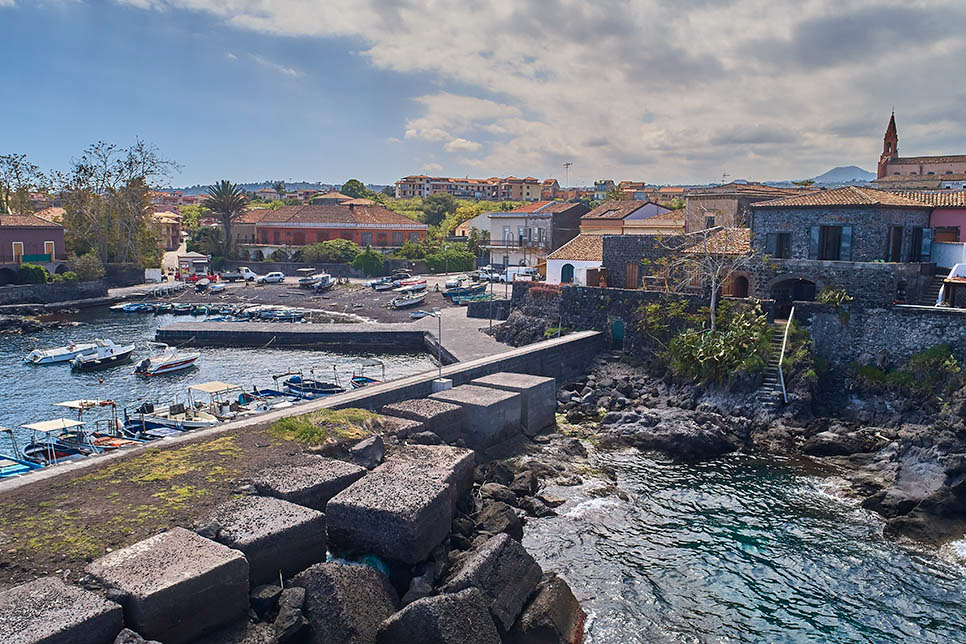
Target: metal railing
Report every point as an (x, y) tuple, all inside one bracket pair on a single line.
[(781, 357)]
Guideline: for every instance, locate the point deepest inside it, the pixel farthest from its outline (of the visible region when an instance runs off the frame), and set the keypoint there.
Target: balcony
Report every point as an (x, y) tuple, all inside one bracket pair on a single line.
[(510, 244)]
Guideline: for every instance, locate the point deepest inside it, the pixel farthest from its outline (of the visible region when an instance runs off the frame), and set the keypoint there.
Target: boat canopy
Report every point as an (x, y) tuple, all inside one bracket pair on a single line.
[(305, 271), (214, 387), (55, 425), (84, 404), (371, 362)]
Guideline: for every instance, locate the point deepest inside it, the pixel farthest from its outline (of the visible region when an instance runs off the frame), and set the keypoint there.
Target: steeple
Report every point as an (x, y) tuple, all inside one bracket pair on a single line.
[(890, 147)]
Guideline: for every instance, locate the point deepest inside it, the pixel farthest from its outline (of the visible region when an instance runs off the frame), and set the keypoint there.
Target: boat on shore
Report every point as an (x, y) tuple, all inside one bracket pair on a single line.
[(385, 286), (168, 360), (325, 283), (65, 353), (465, 291), (406, 301), (106, 355), (217, 288), (202, 285)]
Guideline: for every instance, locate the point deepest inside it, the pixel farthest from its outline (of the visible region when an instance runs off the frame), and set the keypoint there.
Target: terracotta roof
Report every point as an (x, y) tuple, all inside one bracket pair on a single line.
[(549, 182), (339, 214), (746, 189), (721, 241), (53, 214), (333, 196), (941, 199), (253, 216), (954, 158), (674, 215), (531, 207), (359, 202), (614, 209), (25, 221), (588, 248), (847, 196)]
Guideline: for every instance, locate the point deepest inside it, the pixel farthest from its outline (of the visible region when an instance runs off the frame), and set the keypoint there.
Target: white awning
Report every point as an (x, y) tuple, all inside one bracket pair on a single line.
[(55, 425), (84, 404), (214, 387)]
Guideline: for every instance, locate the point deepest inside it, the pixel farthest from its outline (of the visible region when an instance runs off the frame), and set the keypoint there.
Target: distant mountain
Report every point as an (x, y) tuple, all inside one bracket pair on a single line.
[(845, 174)]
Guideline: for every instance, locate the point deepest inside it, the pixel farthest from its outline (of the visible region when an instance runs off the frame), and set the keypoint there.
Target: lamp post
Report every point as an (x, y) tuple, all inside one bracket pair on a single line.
[(439, 339)]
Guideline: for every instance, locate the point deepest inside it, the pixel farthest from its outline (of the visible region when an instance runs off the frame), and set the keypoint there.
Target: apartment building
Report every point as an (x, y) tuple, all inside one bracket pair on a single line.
[(491, 189)]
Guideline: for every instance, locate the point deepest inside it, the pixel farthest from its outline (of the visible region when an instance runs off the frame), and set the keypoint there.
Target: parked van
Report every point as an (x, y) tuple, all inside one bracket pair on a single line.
[(518, 273)]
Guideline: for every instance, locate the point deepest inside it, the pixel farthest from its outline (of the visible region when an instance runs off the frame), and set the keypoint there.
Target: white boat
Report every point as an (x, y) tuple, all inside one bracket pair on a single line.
[(176, 416), (106, 354), (217, 288), (456, 282), (59, 354), (408, 300), (168, 360)]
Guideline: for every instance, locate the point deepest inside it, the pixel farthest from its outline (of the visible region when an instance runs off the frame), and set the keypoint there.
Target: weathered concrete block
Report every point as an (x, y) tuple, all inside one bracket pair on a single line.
[(446, 420), (311, 485), (459, 618), (491, 414), (504, 572), (178, 585), (273, 534), (553, 616), (403, 508), (48, 610), (538, 396), (345, 604)]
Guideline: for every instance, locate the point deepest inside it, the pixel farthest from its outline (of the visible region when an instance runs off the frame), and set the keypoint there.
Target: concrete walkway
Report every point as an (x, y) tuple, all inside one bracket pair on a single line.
[(461, 335)]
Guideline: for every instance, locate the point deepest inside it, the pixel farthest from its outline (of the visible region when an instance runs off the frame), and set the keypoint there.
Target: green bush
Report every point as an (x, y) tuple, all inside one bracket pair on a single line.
[(369, 262), (934, 372), (32, 274), (87, 267), (279, 256), (69, 276), (834, 296), (335, 251), (453, 259)]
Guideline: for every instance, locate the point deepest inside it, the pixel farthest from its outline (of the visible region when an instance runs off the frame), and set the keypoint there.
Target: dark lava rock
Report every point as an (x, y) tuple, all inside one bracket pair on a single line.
[(264, 599), (368, 453), (553, 616), (535, 507), (573, 447), (127, 636), (504, 572), (425, 438), (497, 517), (494, 471), (498, 492), (457, 618), (345, 604), (830, 443), (525, 483)]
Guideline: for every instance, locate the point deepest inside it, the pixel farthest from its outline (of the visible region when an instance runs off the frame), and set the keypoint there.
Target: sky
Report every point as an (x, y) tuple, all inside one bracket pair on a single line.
[(663, 91)]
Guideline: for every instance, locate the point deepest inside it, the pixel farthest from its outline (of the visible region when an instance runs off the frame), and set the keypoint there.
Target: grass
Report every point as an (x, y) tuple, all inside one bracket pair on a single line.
[(322, 426), (157, 465)]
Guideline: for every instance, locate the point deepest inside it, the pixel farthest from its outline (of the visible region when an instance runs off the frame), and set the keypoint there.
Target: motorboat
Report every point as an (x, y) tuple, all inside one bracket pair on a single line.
[(167, 360), (385, 286), (379, 280), (202, 285), (222, 399), (412, 280), (417, 315), (15, 464), (308, 278), (217, 288), (294, 382), (53, 441), (325, 283), (163, 307), (360, 379), (181, 309), (107, 355), (65, 353), (105, 434), (456, 282), (406, 301), (412, 288), (175, 416), (138, 307)]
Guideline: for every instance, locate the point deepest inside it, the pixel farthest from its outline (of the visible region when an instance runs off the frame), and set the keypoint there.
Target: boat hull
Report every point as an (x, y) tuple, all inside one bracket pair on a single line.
[(91, 363)]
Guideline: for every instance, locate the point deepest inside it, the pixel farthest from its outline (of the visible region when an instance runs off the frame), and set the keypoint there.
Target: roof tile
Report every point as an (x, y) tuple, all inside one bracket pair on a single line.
[(847, 196), (585, 247)]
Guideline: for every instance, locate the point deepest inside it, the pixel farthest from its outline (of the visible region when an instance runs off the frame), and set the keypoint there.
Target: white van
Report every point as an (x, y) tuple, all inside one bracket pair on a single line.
[(518, 273)]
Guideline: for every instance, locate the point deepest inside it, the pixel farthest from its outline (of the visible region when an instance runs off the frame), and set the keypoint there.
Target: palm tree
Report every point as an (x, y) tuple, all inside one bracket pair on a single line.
[(279, 188), (615, 194), (227, 201)]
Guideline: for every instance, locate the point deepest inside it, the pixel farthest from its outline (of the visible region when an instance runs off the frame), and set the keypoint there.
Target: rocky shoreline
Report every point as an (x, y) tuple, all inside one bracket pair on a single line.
[(29, 323), (910, 467)]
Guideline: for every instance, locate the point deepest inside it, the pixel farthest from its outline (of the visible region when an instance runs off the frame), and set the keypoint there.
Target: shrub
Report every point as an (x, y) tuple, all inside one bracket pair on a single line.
[(279, 256), (545, 290), (934, 372), (32, 274), (369, 262), (834, 296), (451, 259), (336, 251), (69, 276), (87, 267)]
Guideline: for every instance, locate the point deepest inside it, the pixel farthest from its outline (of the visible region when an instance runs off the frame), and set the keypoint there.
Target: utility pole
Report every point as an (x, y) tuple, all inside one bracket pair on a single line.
[(567, 168)]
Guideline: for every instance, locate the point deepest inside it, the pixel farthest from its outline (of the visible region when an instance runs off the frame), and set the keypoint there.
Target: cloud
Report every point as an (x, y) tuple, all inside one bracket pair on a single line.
[(664, 90), (281, 69), (7, 3), (230, 56), (462, 144), (393, 140), (431, 167)]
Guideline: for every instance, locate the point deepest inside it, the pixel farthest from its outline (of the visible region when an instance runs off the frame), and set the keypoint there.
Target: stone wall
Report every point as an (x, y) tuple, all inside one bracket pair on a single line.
[(644, 250), (123, 275), (866, 335), (499, 309), (51, 293)]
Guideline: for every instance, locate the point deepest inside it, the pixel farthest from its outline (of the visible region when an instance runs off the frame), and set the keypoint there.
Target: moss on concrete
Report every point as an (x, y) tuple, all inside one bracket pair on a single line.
[(320, 427)]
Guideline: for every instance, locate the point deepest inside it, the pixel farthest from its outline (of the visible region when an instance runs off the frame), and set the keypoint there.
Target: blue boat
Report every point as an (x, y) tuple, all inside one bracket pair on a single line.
[(138, 307), (15, 465), (296, 383), (465, 291)]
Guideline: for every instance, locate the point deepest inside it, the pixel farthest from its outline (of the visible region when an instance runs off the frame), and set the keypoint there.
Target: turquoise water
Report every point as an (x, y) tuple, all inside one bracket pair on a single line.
[(27, 391), (742, 550)]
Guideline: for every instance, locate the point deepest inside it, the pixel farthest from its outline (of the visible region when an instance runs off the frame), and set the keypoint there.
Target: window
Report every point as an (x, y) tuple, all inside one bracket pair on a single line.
[(709, 221), (833, 243), (277, 236), (346, 234), (894, 252), (299, 238), (779, 245), (366, 239), (397, 239), (414, 236), (920, 248), (946, 234)]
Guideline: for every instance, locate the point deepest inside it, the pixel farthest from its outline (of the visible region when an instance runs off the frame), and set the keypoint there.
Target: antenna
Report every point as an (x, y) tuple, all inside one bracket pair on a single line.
[(724, 175), (567, 168)]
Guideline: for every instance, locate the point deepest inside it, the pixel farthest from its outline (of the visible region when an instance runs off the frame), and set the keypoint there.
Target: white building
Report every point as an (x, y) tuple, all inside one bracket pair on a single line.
[(569, 263)]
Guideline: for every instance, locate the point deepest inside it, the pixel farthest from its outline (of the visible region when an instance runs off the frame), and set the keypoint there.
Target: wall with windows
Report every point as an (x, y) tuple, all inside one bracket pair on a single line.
[(857, 234)]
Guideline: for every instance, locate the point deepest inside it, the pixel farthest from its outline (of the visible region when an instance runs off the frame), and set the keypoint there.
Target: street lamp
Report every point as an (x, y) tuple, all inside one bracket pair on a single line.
[(439, 338)]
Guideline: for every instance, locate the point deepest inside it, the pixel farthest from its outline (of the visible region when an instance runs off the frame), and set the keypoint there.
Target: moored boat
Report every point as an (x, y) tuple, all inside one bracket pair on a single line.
[(65, 353), (56, 440), (175, 416), (168, 360), (107, 355), (163, 307), (15, 464), (360, 379), (181, 309), (138, 307), (298, 384)]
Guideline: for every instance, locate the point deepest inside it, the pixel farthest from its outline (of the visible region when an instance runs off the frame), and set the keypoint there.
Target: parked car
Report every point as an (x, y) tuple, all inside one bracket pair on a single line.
[(243, 273), (519, 273), (275, 277)]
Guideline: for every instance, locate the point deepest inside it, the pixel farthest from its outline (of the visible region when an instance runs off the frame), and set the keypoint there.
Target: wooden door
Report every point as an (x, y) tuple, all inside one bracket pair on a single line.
[(630, 275), (17, 252), (49, 250)]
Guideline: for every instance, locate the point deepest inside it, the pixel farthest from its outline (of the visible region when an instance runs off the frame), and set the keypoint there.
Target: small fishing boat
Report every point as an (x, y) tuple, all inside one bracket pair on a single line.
[(406, 301), (308, 277), (385, 286), (463, 291), (289, 316), (294, 382), (138, 307), (167, 360), (200, 309), (222, 399), (456, 282), (217, 288), (107, 355), (360, 379), (65, 353), (378, 280), (325, 283), (412, 288), (15, 464), (417, 315), (175, 416), (163, 307), (202, 285), (53, 441), (106, 434), (181, 309)]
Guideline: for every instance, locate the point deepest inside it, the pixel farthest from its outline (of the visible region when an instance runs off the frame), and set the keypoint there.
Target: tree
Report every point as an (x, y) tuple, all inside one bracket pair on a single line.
[(616, 194), (388, 191), (18, 178), (437, 206), (207, 241), (369, 262), (227, 202), (804, 183), (87, 267), (676, 204), (191, 217), (477, 240), (355, 189), (711, 261), (337, 251), (279, 188)]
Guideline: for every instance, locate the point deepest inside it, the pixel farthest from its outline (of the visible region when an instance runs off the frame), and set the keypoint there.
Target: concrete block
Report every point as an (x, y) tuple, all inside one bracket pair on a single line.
[(491, 414), (345, 604), (504, 572), (178, 585), (538, 397), (442, 384), (274, 535), (459, 618), (48, 610), (312, 484), (403, 508), (446, 420)]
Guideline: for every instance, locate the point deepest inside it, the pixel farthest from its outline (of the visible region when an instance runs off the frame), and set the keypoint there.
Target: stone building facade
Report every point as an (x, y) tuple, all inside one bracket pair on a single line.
[(727, 205)]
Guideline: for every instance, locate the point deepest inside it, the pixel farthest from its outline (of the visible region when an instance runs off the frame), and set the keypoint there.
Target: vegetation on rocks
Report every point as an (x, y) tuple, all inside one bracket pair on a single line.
[(317, 428), (932, 373)]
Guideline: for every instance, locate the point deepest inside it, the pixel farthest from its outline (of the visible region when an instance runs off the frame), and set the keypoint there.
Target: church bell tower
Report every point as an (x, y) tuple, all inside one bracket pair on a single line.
[(890, 147)]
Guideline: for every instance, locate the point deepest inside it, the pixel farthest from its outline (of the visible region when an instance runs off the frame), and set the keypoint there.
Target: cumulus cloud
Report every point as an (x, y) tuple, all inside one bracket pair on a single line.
[(431, 167), (462, 144), (661, 90)]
